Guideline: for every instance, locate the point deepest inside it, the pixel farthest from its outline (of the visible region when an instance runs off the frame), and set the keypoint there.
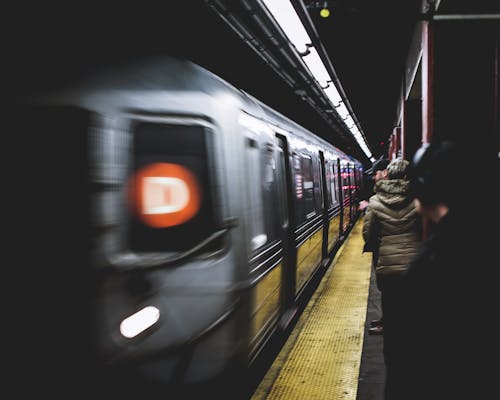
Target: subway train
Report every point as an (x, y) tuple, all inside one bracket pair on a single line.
[(210, 216)]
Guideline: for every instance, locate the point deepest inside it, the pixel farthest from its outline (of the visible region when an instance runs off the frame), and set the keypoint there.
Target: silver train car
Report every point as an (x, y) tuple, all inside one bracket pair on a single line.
[(211, 213)]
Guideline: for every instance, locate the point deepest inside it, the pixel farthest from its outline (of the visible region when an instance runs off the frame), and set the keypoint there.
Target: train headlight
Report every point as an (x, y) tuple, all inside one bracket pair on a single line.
[(165, 194), (139, 322)]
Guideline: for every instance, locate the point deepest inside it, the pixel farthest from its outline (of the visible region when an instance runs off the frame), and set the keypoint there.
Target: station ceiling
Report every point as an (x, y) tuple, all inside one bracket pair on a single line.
[(367, 42)]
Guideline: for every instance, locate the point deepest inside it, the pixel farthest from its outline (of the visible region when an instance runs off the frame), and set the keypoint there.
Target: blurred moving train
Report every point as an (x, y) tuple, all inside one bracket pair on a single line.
[(210, 215)]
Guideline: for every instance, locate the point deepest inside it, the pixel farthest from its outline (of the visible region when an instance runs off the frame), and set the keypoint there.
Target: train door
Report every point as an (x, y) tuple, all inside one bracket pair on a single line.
[(346, 211), (308, 222), (283, 172), (264, 224), (355, 191), (341, 196), (324, 205), (333, 207), (350, 185)]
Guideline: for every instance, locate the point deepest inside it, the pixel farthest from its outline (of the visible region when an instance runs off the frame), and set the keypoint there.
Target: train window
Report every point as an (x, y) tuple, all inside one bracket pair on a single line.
[(263, 195), (345, 181), (317, 187), (282, 186), (170, 196), (304, 187), (328, 172), (254, 210), (356, 180), (330, 183)]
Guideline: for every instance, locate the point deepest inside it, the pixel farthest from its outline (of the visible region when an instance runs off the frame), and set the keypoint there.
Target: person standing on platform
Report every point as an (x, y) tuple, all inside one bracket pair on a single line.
[(450, 345), (392, 222), (371, 176), (374, 174)]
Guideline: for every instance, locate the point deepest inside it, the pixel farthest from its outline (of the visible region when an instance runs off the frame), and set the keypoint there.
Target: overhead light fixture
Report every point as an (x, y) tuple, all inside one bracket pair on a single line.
[(333, 95), (342, 111), (285, 15), (287, 18), (349, 122), (325, 12), (317, 68)]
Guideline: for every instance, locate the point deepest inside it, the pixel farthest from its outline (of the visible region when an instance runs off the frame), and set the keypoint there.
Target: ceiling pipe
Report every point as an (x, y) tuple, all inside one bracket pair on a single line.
[(247, 37), (462, 17), (301, 10), (266, 33), (261, 14)]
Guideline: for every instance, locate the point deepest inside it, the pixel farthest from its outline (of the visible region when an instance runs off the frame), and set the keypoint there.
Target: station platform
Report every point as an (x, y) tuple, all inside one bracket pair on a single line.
[(329, 354)]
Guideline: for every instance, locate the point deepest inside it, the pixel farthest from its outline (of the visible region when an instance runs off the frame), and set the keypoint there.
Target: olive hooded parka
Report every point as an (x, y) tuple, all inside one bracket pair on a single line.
[(392, 226)]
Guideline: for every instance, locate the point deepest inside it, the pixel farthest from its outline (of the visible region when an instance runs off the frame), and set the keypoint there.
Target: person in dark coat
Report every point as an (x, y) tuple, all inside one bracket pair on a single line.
[(371, 176), (392, 222), (449, 347)]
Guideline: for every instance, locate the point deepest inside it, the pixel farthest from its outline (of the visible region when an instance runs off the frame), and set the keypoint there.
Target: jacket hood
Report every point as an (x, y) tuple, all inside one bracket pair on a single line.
[(393, 192)]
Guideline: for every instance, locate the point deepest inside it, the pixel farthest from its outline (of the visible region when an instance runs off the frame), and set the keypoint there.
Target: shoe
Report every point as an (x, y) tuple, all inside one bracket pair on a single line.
[(376, 330), (375, 322)]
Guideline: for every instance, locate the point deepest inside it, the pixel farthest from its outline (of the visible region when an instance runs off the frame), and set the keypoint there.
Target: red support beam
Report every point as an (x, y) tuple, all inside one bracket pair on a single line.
[(403, 130), (427, 81)]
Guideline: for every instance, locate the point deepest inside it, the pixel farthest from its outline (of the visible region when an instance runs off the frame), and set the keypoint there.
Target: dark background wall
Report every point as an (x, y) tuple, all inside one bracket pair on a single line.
[(466, 83)]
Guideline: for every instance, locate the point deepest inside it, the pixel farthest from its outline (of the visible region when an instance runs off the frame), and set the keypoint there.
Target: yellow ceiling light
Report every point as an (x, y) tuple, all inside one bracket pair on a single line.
[(324, 12)]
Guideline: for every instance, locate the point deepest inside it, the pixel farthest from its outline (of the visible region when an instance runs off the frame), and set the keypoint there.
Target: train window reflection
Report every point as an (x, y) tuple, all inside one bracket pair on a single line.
[(330, 183), (262, 178), (172, 151), (304, 186)]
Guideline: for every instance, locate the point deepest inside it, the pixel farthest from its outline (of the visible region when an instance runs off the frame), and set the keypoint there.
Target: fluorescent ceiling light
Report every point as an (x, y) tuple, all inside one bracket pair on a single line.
[(317, 68), (365, 149), (287, 18), (284, 13), (342, 111), (333, 94), (349, 122)]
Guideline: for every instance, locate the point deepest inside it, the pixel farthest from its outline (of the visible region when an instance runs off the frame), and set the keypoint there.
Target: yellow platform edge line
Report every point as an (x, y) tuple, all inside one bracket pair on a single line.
[(321, 358)]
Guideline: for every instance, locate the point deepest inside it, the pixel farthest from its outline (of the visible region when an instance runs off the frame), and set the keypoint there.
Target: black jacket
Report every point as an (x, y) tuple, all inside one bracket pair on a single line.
[(447, 332), (367, 189)]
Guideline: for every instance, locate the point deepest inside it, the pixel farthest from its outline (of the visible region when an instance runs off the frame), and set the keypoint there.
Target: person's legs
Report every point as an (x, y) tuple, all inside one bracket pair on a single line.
[(376, 326), (392, 311)]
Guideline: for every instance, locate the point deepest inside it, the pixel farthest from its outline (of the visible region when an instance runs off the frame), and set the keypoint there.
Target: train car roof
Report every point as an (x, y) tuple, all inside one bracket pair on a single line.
[(141, 82), (278, 117), (143, 77)]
